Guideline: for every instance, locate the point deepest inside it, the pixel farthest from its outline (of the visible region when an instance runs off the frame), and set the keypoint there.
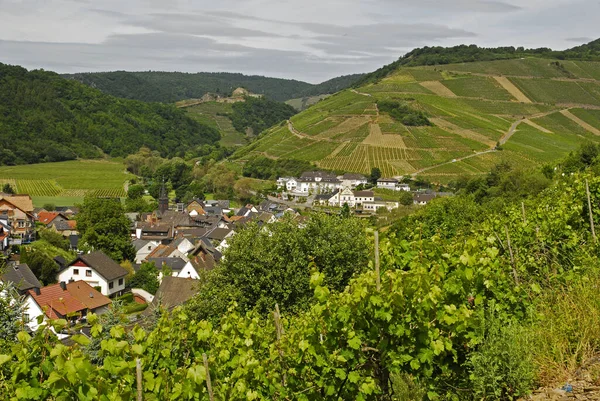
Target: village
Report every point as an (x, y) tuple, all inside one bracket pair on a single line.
[(181, 240)]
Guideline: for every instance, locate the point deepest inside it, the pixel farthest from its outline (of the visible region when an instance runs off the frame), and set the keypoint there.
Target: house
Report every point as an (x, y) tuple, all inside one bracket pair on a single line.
[(195, 207), (70, 301), (345, 196), (172, 292), (18, 211), (154, 232), (205, 256), (98, 270), (4, 233), (143, 248), (217, 235), (352, 180), (423, 199), (403, 187), (377, 204), (246, 210), (21, 276), (167, 251), (361, 197), (66, 228), (317, 182), (68, 211), (287, 183), (176, 265), (48, 217), (387, 183)]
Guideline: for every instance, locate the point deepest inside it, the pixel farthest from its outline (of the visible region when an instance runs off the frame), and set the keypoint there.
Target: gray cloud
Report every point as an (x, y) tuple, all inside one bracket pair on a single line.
[(311, 40)]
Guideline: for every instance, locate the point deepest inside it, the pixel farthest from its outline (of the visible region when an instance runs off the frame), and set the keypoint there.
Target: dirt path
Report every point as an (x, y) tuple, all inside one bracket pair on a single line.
[(511, 132), (438, 88), (360, 93), (536, 126), (465, 133), (512, 89), (580, 122), (452, 161), (304, 136)]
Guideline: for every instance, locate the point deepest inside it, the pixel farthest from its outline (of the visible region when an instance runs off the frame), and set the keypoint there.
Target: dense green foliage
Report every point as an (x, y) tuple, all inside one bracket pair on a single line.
[(11, 312), (40, 254), (102, 224), (269, 169), (146, 278), (469, 53), (169, 87), (451, 313), (45, 118), (262, 266), (403, 113), (259, 114)]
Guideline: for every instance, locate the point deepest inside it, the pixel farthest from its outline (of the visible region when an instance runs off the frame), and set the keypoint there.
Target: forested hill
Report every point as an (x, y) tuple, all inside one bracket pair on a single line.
[(169, 87), (437, 55), (44, 117)]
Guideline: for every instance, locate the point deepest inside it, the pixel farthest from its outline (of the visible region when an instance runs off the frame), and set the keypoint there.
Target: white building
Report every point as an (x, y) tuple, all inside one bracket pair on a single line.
[(98, 270), (387, 183), (352, 180), (379, 204), (289, 183), (143, 248), (318, 182)]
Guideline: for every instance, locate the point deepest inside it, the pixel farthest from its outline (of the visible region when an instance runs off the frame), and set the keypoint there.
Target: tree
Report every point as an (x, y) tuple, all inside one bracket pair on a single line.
[(11, 313), (114, 316), (50, 207), (270, 264), (135, 191), (405, 198), (375, 175), (103, 225), (8, 189), (54, 239), (146, 278), (345, 212)]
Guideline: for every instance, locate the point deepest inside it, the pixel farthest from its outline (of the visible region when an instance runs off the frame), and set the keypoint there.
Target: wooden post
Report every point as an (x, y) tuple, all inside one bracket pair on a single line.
[(523, 209), (211, 397), (512, 258), (377, 260), (589, 199), (138, 375)]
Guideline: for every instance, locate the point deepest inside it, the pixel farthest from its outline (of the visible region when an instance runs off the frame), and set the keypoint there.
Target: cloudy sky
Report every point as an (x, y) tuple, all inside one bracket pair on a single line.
[(311, 40)]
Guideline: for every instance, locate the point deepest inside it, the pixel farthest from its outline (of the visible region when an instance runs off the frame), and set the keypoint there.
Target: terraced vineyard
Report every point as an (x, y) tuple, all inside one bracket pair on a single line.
[(539, 109), (66, 183)]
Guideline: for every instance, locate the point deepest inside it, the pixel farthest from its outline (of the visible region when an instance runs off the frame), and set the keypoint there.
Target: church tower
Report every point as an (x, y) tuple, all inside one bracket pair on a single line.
[(163, 199)]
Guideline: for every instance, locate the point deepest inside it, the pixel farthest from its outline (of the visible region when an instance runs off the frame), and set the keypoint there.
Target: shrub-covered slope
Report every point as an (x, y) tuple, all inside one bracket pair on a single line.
[(44, 117)]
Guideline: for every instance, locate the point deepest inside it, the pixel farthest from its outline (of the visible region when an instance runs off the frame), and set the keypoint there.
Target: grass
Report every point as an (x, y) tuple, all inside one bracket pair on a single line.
[(67, 183), (212, 114)]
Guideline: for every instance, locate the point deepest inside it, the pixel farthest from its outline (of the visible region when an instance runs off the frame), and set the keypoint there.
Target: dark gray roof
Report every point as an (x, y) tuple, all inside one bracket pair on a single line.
[(176, 264), (387, 180), (364, 194), (424, 197), (139, 244), (105, 266), (74, 241), (61, 225), (213, 210), (315, 174), (218, 234), (352, 176), (174, 291), (22, 277), (324, 196)]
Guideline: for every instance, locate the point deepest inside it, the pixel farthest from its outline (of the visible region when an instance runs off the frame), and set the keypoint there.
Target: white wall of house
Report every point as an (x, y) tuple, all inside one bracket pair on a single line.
[(146, 250), (32, 312), (387, 185), (291, 185), (93, 278), (188, 271)]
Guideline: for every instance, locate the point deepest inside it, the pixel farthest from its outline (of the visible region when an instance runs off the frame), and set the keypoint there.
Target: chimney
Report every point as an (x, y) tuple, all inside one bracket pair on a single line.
[(63, 285)]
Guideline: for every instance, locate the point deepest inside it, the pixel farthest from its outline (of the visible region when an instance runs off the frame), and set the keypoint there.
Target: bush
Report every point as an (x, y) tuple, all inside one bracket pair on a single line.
[(133, 308), (502, 367)]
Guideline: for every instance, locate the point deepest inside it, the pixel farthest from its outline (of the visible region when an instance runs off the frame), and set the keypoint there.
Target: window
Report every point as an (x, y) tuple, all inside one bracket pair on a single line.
[(76, 272), (111, 285), (88, 273), (120, 281)]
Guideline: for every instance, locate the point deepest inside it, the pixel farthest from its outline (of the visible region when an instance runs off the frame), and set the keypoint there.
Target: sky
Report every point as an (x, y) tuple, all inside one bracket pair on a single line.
[(309, 40)]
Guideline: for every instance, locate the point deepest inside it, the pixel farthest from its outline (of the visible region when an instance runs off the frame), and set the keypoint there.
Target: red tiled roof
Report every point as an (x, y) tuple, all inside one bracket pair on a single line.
[(47, 217), (87, 295), (57, 301), (72, 224)]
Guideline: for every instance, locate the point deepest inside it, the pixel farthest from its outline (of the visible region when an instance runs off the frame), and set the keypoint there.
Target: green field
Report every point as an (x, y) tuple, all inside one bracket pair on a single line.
[(472, 107), (213, 114), (67, 183)]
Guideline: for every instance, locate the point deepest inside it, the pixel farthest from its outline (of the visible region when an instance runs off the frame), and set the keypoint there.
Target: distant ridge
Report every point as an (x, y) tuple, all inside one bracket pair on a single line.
[(171, 87)]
